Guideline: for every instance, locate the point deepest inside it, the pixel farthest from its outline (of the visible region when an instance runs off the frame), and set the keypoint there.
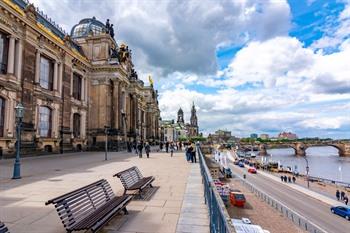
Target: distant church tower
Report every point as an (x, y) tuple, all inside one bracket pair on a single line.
[(180, 116), (194, 121)]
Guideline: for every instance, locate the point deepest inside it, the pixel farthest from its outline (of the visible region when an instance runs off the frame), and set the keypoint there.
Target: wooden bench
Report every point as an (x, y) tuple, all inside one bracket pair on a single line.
[(89, 207), (132, 180), (3, 228)]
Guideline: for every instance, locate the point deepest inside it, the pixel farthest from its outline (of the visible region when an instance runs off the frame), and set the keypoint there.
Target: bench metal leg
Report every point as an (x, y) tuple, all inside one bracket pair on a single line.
[(124, 192), (150, 185), (125, 211), (140, 193)]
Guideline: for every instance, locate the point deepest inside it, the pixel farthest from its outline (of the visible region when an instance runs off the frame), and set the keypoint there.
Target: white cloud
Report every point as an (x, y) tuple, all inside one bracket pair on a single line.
[(176, 42)]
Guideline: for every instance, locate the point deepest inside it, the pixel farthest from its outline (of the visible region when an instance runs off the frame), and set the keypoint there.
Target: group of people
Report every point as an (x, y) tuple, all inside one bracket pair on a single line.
[(190, 152), (342, 197), (288, 179), (138, 148)]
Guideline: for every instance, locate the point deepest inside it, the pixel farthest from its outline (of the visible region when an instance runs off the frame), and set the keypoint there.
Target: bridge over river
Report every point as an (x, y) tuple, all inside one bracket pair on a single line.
[(300, 147)]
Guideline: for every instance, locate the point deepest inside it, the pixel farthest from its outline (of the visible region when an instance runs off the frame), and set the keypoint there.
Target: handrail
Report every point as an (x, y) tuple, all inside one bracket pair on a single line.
[(219, 218)]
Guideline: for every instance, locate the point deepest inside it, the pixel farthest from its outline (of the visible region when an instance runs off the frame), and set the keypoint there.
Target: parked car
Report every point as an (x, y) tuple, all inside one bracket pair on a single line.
[(342, 211), (241, 164), (252, 170), (237, 198)]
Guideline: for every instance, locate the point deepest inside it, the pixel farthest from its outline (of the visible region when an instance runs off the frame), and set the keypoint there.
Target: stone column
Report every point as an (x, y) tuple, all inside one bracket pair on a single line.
[(18, 63), (82, 96), (55, 76), (11, 56), (116, 107), (10, 118), (60, 75), (83, 124), (86, 90), (37, 66), (71, 84)]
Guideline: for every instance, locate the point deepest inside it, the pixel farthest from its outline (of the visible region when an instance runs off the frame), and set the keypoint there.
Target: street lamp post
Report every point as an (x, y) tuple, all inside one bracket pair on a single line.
[(17, 166), (106, 141), (307, 171)]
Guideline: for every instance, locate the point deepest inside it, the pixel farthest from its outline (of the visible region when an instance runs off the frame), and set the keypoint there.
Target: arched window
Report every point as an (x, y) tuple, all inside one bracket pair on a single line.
[(2, 116), (45, 125), (76, 125)]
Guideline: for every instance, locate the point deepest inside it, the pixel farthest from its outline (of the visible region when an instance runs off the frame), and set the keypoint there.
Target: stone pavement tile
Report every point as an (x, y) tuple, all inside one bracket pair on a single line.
[(143, 222), (165, 210), (193, 221), (192, 229), (190, 215), (171, 203), (157, 203)]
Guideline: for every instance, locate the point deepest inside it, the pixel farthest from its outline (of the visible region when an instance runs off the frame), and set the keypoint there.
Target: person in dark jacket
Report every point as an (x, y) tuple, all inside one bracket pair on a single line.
[(342, 195), (346, 200), (167, 147), (337, 195), (147, 149), (139, 148)]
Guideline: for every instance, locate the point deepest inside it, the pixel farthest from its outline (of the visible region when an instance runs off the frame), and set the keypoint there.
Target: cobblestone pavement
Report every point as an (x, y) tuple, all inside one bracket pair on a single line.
[(22, 201)]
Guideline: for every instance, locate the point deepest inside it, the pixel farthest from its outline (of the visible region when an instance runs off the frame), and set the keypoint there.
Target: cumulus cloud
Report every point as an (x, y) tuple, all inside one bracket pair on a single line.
[(273, 83)]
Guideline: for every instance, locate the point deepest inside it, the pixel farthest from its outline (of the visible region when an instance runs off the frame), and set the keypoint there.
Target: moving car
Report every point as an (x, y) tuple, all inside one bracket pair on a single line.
[(341, 211), (237, 198), (252, 170), (241, 164)]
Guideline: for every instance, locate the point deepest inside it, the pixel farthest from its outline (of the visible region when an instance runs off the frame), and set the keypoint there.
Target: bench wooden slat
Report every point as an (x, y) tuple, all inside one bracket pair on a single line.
[(89, 207)]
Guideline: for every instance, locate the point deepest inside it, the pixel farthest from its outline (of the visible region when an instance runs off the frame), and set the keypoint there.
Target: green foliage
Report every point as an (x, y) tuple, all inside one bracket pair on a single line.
[(183, 139), (198, 139)]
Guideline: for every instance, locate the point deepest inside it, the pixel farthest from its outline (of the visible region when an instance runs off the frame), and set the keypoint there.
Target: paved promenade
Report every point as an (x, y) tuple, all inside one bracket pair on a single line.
[(173, 207)]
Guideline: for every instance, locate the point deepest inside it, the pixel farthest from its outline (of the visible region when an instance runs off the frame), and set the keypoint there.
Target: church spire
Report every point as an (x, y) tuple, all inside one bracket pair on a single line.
[(193, 120)]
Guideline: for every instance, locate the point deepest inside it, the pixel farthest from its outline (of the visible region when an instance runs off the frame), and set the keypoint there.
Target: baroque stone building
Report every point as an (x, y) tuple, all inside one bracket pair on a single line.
[(171, 131), (74, 88)]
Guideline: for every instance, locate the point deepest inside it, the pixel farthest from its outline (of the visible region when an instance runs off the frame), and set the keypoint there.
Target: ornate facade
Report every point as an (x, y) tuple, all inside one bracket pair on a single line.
[(74, 88)]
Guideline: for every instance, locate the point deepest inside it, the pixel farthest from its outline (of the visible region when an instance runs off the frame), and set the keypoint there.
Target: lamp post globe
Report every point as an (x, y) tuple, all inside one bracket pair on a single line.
[(19, 116)]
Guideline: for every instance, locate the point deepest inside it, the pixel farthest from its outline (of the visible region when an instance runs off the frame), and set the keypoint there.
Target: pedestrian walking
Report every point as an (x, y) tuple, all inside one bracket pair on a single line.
[(186, 153), (337, 195), (289, 179), (194, 154), (294, 179), (167, 147), (342, 195), (172, 148), (285, 179), (161, 146), (189, 150), (180, 145), (147, 149), (139, 149), (134, 145), (282, 178), (346, 200)]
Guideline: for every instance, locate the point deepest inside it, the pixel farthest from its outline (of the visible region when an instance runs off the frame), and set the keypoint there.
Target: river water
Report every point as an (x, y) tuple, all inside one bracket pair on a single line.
[(323, 162)]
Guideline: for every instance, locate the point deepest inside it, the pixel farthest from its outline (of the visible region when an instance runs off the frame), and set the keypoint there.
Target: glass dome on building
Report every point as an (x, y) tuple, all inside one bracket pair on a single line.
[(86, 27)]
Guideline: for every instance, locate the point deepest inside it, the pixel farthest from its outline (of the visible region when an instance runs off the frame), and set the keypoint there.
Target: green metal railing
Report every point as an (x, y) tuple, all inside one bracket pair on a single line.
[(219, 218)]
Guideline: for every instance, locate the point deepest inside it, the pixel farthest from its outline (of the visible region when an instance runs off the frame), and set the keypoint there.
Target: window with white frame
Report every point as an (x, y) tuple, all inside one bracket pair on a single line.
[(45, 119)]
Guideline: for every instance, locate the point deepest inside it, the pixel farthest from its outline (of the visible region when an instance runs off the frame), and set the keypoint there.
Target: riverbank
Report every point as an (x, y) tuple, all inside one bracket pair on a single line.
[(323, 188)]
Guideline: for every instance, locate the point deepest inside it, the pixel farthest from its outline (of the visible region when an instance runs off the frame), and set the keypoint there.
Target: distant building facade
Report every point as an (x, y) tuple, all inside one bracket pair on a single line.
[(264, 136), (287, 135), (254, 135), (173, 131), (221, 136), (74, 88)]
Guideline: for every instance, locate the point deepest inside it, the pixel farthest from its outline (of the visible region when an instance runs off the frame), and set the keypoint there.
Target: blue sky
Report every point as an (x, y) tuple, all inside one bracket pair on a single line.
[(261, 66)]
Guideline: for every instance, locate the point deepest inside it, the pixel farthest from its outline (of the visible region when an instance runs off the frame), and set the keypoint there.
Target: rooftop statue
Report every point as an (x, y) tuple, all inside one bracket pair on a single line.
[(107, 26)]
